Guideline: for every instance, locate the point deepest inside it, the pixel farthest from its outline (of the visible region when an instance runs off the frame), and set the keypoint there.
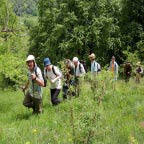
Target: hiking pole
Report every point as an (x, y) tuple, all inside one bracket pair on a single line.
[(23, 90)]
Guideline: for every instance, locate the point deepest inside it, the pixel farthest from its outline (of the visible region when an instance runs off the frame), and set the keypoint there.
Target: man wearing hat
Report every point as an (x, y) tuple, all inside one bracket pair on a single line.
[(95, 66), (53, 74), (79, 73), (33, 97)]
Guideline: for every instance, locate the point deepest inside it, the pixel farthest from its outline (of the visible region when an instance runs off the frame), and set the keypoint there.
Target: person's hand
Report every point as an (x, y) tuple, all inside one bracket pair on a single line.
[(23, 88), (33, 76), (53, 81)]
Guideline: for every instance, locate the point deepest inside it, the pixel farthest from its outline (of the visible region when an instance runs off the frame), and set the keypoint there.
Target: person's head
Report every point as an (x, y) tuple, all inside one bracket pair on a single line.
[(113, 58), (68, 63), (92, 56), (30, 62), (47, 63), (75, 61)]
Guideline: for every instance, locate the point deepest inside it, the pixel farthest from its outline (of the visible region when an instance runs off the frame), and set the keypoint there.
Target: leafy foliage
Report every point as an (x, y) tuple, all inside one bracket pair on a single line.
[(132, 26), (25, 7), (69, 28), (12, 47), (12, 70)]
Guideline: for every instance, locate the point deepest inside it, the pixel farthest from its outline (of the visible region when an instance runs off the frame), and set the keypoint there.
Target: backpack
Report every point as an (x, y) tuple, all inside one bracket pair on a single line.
[(84, 65), (98, 67), (53, 70)]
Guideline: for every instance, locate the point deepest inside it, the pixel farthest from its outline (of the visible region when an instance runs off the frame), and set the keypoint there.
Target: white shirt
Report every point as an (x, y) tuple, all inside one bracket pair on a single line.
[(79, 70), (95, 66), (50, 75)]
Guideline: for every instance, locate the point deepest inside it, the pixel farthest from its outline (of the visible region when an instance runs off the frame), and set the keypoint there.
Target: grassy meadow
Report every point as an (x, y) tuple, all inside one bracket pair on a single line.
[(113, 113)]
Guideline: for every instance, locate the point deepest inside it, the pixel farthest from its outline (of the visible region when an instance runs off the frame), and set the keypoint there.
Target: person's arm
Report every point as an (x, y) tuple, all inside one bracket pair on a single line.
[(38, 79), (141, 70), (40, 82), (116, 68), (83, 70), (26, 86), (58, 75)]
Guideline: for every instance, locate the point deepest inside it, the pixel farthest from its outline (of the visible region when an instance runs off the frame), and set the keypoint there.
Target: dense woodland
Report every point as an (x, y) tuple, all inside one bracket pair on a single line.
[(65, 28)]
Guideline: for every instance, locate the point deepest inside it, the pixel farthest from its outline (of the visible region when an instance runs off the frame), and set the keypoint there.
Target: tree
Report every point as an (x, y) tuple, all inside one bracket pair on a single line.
[(12, 47), (132, 26), (70, 28)]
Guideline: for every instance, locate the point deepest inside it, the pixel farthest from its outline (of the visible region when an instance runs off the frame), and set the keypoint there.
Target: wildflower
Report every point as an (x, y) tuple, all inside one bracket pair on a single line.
[(142, 124), (70, 140), (35, 131), (132, 140)]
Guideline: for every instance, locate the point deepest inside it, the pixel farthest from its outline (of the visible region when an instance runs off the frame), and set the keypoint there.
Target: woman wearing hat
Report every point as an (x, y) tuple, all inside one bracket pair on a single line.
[(53, 74)]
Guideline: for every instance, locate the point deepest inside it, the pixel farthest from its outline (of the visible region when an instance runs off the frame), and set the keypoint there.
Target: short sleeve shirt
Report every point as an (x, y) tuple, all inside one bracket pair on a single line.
[(51, 75)]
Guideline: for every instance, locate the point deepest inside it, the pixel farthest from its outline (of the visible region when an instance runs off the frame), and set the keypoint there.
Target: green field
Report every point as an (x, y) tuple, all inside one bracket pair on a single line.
[(115, 115)]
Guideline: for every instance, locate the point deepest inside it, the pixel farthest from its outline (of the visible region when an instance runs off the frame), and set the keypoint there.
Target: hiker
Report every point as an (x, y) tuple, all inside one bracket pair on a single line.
[(33, 96), (114, 68), (69, 78), (127, 71), (95, 66), (139, 72), (53, 74), (79, 73)]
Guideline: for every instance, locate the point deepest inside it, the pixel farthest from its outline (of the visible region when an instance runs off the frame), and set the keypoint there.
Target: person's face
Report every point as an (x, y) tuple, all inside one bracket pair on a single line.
[(113, 59), (91, 59), (30, 64), (67, 66), (48, 67), (76, 63)]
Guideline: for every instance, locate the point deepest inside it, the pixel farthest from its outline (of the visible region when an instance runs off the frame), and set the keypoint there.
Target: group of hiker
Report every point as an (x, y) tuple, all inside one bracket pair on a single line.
[(75, 72), (33, 95), (128, 71)]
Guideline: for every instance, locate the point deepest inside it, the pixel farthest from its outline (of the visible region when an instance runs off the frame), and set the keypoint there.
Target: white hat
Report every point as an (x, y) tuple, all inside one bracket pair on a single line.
[(30, 57), (75, 59)]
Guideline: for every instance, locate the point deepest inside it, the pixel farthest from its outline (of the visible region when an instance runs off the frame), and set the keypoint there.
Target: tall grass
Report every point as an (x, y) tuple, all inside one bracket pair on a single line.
[(117, 119)]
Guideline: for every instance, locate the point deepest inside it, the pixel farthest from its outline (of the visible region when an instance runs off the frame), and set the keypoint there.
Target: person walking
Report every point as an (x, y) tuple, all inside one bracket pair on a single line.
[(79, 73), (69, 78), (53, 74), (114, 68), (139, 72), (127, 71), (95, 66), (33, 96)]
